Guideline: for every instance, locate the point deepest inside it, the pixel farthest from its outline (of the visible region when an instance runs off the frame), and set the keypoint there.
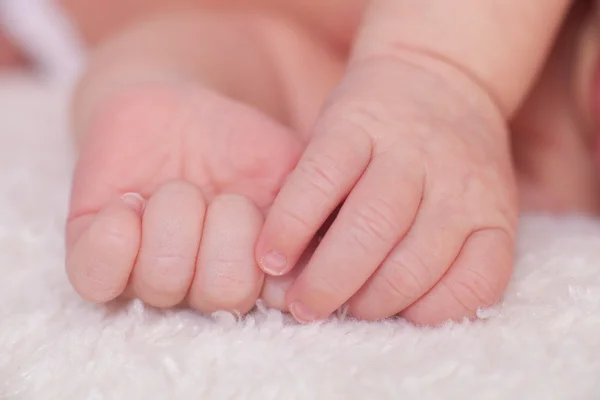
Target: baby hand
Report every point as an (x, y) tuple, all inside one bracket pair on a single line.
[(418, 153), (198, 171), (428, 223)]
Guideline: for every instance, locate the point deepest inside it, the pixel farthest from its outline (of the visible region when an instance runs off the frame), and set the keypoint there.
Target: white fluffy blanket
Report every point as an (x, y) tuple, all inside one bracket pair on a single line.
[(542, 343)]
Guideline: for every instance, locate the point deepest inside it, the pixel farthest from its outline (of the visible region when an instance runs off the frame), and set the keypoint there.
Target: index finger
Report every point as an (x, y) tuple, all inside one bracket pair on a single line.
[(325, 174)]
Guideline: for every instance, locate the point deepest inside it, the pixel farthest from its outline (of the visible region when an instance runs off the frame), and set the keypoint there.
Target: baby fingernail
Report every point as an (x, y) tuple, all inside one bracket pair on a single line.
[(274, 263), (302, 313), (134, 201)]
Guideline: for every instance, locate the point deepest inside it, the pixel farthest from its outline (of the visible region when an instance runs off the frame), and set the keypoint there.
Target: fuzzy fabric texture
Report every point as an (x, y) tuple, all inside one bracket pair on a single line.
[(543, 342)]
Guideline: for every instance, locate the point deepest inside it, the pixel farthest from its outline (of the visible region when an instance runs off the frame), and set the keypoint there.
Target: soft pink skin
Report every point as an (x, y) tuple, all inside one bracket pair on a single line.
[(227, 277), (416, 144), (207, 164), (206, 167), (414, 139), (433, 212)]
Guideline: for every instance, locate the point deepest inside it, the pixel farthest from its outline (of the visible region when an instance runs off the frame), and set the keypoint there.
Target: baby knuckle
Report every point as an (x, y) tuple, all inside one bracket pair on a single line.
[(365, 117), (362, 122), (374, 222), (402, 279), (294, 217), (475, 290), (360, 240), (397, 289), (328, 289), (321, 173)]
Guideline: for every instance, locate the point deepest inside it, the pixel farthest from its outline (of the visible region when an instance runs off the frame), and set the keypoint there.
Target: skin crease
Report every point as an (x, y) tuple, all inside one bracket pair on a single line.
[(445, 88)]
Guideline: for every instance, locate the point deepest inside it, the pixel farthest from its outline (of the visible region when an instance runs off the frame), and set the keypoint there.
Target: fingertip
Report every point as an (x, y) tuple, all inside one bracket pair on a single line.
[(135, 202), (308, 301), (309, 197), (102, 250), (275, 288), (274, 263), (303, 313), (476, 280)]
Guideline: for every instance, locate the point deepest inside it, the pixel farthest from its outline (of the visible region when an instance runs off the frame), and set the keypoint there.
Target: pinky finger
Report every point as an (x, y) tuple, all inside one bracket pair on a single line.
[(103, 249), (476, 280)]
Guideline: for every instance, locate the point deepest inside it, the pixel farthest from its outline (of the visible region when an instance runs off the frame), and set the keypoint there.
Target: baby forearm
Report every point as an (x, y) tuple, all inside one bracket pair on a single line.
[(500, 44)]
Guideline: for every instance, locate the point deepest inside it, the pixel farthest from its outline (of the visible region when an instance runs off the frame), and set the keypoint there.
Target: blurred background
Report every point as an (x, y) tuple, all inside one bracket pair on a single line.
[(66, 28)]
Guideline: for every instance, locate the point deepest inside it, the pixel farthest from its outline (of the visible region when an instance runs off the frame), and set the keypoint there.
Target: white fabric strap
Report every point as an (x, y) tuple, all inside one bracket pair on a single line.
[(46, 35)]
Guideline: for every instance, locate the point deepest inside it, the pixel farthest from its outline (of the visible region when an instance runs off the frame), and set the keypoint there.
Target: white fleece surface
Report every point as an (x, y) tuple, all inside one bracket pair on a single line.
[(542, 343)]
